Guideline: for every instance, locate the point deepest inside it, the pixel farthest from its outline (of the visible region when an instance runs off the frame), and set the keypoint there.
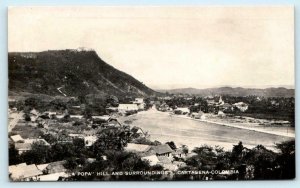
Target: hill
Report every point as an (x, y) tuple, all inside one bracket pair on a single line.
[(69, 73), (238, 91)]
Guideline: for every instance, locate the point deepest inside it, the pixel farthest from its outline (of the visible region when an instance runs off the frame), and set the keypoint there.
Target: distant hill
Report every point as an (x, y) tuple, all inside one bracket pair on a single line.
[(70, 73), (238, 91)]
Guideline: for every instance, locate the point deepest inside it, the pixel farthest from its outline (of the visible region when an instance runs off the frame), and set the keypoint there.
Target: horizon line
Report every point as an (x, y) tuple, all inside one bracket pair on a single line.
[(157, 88)]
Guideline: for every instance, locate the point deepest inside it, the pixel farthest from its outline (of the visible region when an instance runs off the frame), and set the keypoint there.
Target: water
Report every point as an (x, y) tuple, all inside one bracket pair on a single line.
[(164, 127)]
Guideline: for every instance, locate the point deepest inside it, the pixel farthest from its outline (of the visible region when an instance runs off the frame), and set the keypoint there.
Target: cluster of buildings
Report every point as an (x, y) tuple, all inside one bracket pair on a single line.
[(214, 106), (128, 108), (53, 171), (161, 155)]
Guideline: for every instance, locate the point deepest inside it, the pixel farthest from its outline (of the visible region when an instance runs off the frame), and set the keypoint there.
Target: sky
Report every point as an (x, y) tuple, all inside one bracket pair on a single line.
[(169, 47)]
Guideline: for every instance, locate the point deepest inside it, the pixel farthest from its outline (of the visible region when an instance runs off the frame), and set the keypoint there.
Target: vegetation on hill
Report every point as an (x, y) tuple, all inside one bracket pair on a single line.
[(70, 73)]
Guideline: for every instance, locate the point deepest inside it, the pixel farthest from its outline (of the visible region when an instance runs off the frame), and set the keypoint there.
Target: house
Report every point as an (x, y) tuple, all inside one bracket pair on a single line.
[(104, 117), (199, 115), (241, 106), (140, 103), (76, 136), (91, 160), (152, 159), (52, 177), (161, 150), (105, 121), (127, 107), (164, 107), (226, 107), (221, 102), (112, 109), (179, 152), (75, 110), (89, 132), (42, 167), (24, 172), (90, 140), (210, 102), (183, 111), (55, 167), (22, 147), (76, 116), (25, 145), (12, 102), (138, 132), (34, 114), (131, 147), (111, 122), (220, 113), (16, 138), (50, 113)]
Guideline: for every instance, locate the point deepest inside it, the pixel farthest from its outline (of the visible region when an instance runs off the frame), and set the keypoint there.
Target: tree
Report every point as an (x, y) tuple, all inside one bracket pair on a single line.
[(172, 145), (286, 160), (27, 117), (39, 154), (112, 100), (112, 138), (237, 152), (14, 157)]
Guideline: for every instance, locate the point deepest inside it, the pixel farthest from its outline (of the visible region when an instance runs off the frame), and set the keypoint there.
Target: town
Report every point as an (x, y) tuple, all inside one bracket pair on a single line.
[(59, 138)]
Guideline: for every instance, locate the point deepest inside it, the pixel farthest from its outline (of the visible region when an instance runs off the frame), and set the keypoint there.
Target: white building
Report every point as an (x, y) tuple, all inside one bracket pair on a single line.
[(241, 106), (127, 107), (90, 140), (140, 103)]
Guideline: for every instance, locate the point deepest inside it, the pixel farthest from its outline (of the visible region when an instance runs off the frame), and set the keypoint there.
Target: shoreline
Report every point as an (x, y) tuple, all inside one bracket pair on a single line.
[(238, 126), (192, 141)]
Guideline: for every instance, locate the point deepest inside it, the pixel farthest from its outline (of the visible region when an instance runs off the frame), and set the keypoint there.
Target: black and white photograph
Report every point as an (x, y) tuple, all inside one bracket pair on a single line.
[(151, 93)]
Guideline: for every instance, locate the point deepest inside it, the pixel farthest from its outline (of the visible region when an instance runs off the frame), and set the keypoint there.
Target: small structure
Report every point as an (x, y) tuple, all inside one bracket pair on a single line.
[(34, 114), (55, 167), (241, 106), (42, 167), (104, 117), (127, 107), (138, 132), (140, 103), (226, 107), (198, 115), (179, 153), (24, 172), (161, 150), (182, 111), (220, 113), (25, 145), (91, 160), (52, 177), (90, 140), (16, 138), (76, 116), (111, 122)]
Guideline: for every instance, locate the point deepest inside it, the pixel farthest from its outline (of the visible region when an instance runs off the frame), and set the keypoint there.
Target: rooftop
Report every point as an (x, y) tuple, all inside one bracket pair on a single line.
[(22, 170), (161, 149)]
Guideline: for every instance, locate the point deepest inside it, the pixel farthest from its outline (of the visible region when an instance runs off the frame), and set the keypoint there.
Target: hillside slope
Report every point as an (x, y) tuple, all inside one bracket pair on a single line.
[(70, 73)]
